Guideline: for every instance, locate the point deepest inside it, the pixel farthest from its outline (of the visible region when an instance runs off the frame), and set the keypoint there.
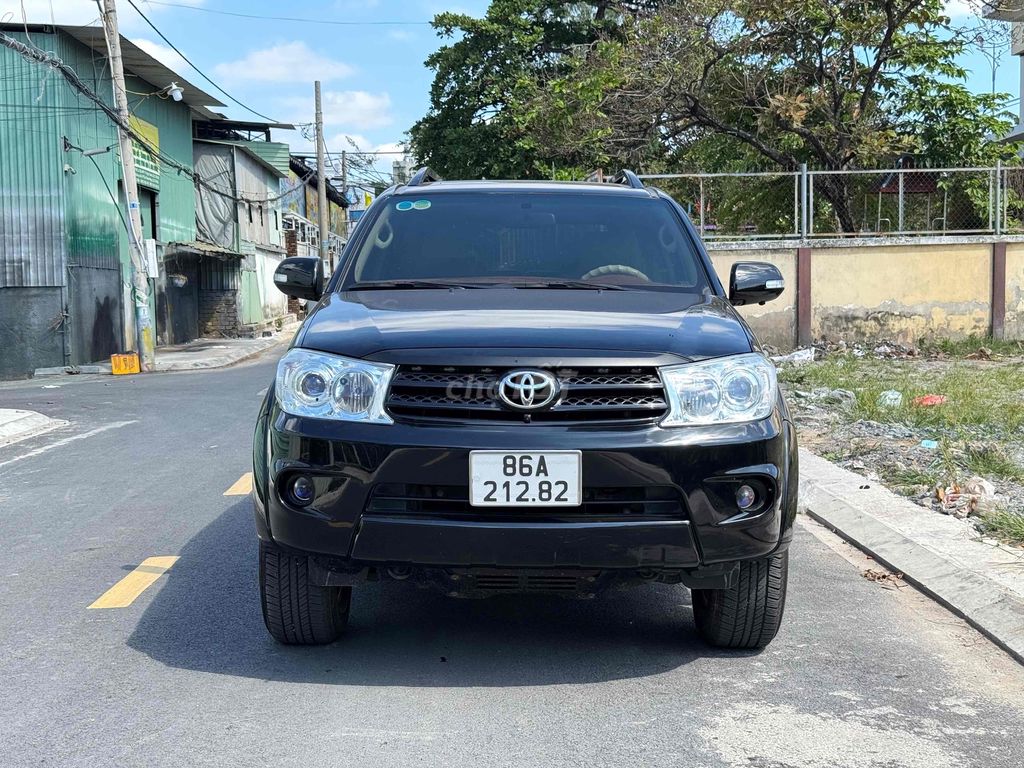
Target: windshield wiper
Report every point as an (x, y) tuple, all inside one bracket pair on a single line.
[(402, 285), (573, 285)]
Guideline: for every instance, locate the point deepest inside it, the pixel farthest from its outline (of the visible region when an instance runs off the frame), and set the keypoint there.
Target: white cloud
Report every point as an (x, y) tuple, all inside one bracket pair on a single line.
[(292, 62), (957, 9), (165, 55), (347, 110)]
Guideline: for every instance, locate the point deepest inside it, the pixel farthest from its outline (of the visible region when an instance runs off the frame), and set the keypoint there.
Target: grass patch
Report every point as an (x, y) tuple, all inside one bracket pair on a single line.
[(970, 345), (1005, 526), (990, 461), (990, 395)]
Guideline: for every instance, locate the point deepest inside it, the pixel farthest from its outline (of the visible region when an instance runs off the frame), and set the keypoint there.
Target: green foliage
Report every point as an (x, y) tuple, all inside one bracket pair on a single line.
[(706, 85)]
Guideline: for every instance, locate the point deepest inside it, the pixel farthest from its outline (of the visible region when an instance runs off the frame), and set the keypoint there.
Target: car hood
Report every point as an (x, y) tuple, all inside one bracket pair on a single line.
[(369, 324)]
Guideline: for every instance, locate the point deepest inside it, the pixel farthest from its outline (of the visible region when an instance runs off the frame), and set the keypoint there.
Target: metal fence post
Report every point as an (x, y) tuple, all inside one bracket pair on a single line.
[(803, 201), (999, 197), (899, 218), (701, 181), (796, 204)]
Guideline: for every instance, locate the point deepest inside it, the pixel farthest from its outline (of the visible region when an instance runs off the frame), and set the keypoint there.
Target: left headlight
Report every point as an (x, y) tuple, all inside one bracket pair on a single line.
[(332, 387), (725, 390)]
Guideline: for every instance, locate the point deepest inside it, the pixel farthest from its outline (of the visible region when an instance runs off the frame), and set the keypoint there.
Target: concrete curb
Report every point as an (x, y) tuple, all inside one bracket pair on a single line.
[(18, 425), (979, 580), (168, 363)]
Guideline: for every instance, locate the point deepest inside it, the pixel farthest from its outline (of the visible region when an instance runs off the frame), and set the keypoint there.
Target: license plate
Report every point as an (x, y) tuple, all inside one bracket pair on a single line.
[(525, 479)]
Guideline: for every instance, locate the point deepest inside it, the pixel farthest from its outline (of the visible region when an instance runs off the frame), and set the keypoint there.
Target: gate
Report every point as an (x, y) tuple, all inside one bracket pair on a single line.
[(94, 309)]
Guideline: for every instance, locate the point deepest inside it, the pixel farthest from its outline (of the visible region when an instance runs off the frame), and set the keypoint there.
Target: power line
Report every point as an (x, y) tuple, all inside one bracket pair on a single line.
[(197, 69), (50, 60), (297, 19)]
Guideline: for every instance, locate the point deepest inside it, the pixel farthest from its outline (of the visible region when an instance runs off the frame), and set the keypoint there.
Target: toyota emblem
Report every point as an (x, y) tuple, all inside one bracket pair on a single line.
[(528, 390)]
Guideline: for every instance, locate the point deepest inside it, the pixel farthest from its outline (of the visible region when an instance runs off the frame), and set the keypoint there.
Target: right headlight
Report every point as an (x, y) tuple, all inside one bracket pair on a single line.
[(726, 390), (332, 387)]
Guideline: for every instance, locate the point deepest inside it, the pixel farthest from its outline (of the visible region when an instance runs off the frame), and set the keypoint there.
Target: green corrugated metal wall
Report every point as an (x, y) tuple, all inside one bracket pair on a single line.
[(50, 217)]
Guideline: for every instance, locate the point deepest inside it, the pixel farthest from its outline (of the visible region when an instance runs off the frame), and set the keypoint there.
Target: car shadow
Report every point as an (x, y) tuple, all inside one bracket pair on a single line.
[(206, 617)]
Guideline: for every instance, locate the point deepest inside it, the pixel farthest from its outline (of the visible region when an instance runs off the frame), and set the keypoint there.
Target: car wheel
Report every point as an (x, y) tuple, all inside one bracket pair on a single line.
[(748, 614), (295, 611)]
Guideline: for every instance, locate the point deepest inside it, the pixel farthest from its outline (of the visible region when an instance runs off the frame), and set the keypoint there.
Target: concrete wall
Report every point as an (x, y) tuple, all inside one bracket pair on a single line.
[(775, 322), (1014, 327), (901, 292)]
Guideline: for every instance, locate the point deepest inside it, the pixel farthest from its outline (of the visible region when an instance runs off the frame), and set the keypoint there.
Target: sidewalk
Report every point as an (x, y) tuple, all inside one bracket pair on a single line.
[(979, 579), (195, 355), (16, 424)]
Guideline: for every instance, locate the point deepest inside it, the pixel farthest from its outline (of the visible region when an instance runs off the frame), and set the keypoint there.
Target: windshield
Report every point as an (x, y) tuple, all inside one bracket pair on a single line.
[(527, 239)]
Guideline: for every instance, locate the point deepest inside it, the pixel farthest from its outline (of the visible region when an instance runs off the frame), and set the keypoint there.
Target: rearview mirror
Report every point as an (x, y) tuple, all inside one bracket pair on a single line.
[(301, 277), (754, 282)]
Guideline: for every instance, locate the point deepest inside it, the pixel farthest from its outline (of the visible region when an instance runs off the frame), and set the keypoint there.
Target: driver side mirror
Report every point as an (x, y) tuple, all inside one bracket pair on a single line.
[(754, 282), (301, 277)]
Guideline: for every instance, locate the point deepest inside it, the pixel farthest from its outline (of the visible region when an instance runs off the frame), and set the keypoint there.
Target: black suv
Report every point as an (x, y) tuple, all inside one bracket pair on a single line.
[(525, 386)]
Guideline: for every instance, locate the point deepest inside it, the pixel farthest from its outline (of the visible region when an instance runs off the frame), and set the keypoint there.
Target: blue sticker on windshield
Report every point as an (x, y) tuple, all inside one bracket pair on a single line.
[(405, 205)]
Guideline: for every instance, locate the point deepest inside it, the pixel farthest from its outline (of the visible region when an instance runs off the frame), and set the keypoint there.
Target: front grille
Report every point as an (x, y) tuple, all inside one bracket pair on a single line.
[(588, 396), (655, 502)]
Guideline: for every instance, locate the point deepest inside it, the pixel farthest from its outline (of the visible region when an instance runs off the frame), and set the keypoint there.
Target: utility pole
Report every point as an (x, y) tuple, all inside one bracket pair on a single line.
[(144, 336), (321, 178), (344, 191)]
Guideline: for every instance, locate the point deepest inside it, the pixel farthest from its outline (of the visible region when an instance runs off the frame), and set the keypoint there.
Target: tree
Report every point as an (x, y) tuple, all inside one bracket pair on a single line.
[(487, 77), (839, 84)]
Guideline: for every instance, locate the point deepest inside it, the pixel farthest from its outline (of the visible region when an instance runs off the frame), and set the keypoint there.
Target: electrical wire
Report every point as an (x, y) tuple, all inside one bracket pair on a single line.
[(53, 62), (297, 19), (197, 69)]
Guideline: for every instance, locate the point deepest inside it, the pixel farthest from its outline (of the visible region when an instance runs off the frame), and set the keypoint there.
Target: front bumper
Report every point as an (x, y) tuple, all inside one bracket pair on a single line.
[(655, 500)]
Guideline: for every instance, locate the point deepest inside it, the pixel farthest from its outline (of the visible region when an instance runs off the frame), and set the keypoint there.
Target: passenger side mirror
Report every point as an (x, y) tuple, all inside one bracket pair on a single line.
[(754, 282), (301, 277)]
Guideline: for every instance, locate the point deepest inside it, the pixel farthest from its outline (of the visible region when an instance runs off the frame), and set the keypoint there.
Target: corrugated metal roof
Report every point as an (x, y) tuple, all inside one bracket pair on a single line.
[(273, 153), (140, 63)]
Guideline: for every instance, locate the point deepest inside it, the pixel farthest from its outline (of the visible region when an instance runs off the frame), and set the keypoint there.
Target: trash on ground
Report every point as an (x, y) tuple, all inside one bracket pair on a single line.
[(982, 353), (931, 445), (890, 399), (884, 578), (797, 357), (929, 400)]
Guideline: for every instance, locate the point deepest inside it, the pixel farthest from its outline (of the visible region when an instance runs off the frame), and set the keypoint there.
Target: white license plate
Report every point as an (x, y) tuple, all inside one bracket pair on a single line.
[(525, 478)]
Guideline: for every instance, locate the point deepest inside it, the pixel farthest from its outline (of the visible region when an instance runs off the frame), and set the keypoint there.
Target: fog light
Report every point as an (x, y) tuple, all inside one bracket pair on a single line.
[(746, 497), (302, 490)]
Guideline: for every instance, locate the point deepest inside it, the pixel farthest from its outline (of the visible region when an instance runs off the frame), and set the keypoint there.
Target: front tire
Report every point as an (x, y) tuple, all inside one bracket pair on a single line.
[(295, 611), (748, 614)]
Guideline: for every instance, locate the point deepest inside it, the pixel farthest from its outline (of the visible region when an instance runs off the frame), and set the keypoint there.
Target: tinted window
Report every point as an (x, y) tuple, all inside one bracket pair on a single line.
[(630, 241)]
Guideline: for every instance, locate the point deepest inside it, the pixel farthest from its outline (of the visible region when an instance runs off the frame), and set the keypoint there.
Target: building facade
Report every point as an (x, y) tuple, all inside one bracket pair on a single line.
[(65, 272)]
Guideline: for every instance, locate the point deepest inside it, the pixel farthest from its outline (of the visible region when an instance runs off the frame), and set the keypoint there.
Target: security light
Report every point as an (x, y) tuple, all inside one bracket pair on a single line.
[(174, 91)]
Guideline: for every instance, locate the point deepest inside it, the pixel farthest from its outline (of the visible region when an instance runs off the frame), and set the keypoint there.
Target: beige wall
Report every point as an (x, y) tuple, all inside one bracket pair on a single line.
[(1014, 326), (901, 292), (774, 322)]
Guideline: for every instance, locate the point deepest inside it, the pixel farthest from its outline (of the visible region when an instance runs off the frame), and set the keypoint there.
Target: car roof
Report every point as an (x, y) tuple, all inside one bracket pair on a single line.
[(581, 187)]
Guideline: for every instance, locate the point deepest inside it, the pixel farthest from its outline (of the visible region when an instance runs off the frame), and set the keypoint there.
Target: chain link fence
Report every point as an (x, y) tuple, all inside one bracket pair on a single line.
[(805, 204)]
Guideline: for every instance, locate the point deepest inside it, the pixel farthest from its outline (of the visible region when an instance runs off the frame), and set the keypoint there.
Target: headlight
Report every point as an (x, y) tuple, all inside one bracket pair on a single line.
[(331, 387), (726, 390)]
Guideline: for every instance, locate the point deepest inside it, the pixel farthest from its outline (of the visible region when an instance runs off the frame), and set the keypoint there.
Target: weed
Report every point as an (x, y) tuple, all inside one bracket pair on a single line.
[(1005, 526)]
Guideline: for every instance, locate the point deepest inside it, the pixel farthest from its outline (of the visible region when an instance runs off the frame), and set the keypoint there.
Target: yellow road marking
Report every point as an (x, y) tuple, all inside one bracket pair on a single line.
[(123, 594), (242, 486)]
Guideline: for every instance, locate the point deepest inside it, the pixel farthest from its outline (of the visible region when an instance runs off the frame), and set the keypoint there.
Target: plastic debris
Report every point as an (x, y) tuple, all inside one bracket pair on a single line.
[(931, 445), (890, 399), (929, 400), (979, 486), (798, 357)]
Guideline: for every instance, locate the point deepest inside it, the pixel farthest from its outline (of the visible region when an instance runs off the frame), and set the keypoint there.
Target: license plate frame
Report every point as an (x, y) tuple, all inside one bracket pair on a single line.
[(487, 466)]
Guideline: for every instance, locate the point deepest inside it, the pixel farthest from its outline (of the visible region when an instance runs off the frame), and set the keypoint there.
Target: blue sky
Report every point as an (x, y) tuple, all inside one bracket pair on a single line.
[(375, 84)]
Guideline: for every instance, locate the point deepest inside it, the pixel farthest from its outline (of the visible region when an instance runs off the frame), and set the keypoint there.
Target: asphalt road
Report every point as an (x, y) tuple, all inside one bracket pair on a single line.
[(862, 674)]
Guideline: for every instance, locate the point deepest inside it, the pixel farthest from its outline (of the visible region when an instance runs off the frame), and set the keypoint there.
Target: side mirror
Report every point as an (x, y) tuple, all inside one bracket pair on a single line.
[(301, 277), (754, 282)]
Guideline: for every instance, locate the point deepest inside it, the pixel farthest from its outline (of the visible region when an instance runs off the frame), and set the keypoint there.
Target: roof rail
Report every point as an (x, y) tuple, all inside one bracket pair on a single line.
[(423, 176), (628, 177)]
